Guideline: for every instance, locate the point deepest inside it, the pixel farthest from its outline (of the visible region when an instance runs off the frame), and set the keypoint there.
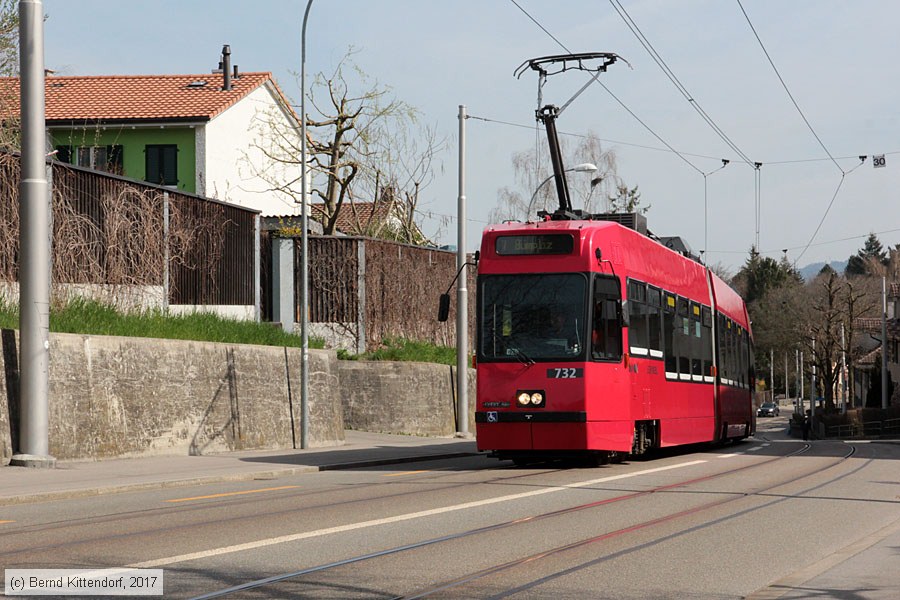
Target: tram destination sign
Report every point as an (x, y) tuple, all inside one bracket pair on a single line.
[(511, 245)]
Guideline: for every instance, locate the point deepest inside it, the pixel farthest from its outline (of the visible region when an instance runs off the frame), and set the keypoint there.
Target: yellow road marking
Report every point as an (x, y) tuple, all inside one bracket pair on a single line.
[(2, 522), (273, 489), (405, 473)]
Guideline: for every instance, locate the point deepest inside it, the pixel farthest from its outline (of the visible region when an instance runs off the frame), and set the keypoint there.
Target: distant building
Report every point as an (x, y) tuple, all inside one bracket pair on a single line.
[(202, 134)]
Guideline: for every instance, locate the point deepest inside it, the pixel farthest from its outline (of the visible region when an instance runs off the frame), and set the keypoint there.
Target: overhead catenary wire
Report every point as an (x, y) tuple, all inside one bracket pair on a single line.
[(756, 165), (767, 163), (661, 63), (596, 78), (808, 125), (786, 89)]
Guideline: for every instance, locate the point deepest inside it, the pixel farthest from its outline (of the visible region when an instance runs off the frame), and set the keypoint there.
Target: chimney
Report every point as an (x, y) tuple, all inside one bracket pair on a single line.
[(226, 68), (235, 75)]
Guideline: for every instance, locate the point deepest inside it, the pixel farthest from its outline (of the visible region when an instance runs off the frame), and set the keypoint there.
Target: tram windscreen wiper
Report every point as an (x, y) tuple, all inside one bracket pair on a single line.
[(523, 357)]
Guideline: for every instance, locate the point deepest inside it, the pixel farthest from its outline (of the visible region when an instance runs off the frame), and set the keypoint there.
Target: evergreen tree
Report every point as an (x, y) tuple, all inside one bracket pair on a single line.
[(871, 253), (759, 275)]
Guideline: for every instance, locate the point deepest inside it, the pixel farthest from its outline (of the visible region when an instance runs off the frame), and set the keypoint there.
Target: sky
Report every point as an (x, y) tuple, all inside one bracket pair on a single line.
[(834, 97)]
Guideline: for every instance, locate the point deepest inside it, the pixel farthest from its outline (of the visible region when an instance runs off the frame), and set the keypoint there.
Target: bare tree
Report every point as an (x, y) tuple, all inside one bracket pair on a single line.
[(532, 169), (363, 147), (403, 169)]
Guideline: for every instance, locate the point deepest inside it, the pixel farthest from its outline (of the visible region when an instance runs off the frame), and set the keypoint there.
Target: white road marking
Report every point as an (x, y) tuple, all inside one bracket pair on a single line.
[(730, 455), (754, 448), (395, 519)]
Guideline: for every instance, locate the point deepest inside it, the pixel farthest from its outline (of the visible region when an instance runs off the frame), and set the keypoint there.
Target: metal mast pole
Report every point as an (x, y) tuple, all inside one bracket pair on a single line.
[(462, 293), (885, 401), (843, 373), (772, 373), (787, 389), (812, 385), (304, 248), (34, 242)]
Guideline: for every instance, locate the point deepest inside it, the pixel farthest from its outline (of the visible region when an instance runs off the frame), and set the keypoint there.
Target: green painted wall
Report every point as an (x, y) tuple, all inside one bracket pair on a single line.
[(133, 142)]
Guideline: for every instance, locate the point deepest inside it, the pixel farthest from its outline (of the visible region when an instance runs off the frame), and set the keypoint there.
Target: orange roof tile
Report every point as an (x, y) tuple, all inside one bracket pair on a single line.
[(135, 97), (355, 217)]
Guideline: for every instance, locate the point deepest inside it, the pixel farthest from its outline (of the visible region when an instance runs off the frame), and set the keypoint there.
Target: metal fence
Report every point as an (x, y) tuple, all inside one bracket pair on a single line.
[(113, 233), (864, 429), (366, 290)]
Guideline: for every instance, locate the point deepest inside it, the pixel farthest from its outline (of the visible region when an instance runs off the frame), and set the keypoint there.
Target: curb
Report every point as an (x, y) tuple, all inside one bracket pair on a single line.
[(246, 476)]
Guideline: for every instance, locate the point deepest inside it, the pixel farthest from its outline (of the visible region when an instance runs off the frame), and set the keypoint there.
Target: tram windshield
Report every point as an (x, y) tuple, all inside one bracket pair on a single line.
[(531, 318)]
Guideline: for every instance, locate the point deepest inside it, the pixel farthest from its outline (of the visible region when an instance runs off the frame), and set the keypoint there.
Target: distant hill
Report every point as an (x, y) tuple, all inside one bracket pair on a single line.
[(809, 272)]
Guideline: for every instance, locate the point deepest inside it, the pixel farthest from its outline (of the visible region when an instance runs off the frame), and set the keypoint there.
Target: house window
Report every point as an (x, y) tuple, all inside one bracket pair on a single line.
[(161, 164), (99, 158)]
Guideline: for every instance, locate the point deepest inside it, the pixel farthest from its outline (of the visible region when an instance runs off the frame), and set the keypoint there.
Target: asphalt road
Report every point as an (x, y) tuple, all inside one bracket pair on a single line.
[(758, 519)]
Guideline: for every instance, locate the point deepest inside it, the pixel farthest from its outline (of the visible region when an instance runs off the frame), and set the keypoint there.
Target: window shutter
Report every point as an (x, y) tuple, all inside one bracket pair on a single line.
[(153, 174), (170, 165)]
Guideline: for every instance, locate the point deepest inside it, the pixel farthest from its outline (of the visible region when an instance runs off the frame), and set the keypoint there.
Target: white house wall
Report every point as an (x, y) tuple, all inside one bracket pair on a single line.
[(234, 167)]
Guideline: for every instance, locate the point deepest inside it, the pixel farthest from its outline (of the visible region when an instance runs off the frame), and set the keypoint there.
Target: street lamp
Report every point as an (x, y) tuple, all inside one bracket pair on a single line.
[(582, 168)]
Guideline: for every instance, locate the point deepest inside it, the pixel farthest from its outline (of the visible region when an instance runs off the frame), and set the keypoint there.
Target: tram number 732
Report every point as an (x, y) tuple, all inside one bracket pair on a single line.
[(565, 373)]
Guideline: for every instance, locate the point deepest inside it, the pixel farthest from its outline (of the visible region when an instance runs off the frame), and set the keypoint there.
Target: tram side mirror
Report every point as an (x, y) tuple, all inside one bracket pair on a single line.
[(444, 307)]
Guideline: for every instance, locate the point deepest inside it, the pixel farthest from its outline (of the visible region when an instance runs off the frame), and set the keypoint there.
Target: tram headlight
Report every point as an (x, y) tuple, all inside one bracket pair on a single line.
[(530, 398)]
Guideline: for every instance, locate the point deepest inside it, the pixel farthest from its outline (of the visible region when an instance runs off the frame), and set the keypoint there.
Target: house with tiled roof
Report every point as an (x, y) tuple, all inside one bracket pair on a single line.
[(871, 328), (382, 219), (203, 134)]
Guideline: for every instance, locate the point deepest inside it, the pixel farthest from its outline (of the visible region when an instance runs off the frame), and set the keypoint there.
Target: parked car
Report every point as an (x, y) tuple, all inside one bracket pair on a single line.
[(768, 409)]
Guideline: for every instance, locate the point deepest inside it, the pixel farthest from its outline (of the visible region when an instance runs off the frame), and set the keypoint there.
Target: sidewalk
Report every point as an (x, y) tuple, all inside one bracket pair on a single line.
[(71, 479)]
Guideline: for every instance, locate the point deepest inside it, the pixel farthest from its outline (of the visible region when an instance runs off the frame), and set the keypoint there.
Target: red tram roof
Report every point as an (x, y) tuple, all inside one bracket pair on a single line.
[(625, 252)]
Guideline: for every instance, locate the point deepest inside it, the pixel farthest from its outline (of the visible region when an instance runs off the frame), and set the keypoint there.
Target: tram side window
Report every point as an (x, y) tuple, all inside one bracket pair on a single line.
[(730, 351), (654, 321), (706, 341), (669, 317), (742, 342), (683, 339), (722, 346), (638, 324), (696, 342), (606, 333)]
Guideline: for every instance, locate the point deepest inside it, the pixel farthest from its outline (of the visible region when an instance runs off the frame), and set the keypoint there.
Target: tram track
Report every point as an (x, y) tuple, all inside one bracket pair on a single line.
[(284, 577), (461, 581), (219, 520)]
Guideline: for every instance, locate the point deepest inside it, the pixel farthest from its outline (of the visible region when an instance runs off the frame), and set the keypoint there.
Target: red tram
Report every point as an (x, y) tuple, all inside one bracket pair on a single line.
[(594, 338)]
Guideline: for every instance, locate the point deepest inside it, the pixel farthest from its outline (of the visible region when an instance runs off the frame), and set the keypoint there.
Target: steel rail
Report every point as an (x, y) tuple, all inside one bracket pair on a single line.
[(506, 524)]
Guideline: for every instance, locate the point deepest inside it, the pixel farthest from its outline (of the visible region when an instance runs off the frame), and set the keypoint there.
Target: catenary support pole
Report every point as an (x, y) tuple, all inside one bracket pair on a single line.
[(304, 250), (843, 373), (462, 298), (812, 385), (34, 244), (885, 399), (772, 373), (787, 389)]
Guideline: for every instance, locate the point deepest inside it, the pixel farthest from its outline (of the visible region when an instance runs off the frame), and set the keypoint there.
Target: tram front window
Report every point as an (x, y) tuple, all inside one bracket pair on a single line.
[(533, 317)]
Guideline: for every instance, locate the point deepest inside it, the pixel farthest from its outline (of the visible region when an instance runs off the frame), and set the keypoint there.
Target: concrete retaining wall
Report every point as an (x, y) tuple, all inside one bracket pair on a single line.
[(115, 397), (401, 397)]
